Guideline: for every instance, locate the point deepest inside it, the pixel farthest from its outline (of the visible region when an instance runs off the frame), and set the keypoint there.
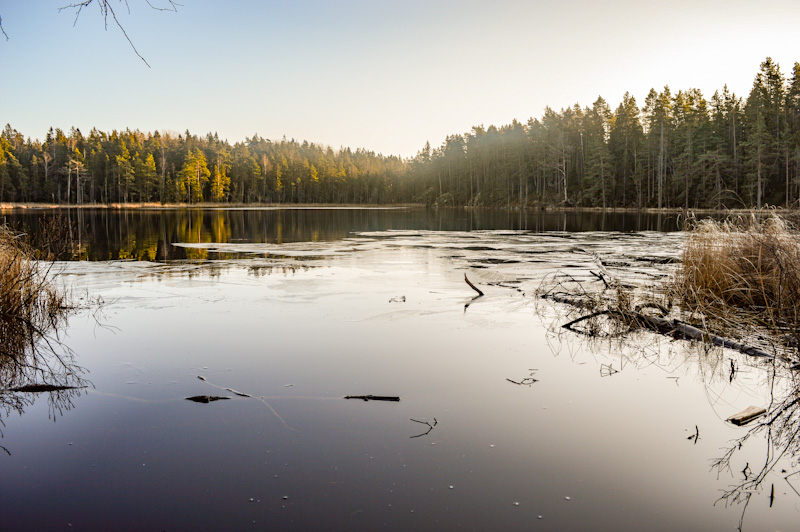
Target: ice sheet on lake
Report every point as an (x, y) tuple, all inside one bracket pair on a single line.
[(515, 253)]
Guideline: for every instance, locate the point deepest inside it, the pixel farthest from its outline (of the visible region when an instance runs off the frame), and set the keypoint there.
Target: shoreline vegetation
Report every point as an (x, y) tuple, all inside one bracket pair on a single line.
[(34, 310), (204, 205), (737, 285), (678, 150), (765, 210)]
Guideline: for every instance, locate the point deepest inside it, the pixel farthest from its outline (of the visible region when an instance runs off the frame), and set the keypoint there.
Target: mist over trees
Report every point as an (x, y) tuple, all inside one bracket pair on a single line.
[(672, 150)]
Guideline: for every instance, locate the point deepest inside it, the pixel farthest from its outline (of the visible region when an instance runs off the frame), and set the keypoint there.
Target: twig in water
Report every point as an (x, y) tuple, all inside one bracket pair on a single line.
[(601, 277), (373, 397), (527, 381), (240, 394), (261, 399), (607, 370), (430, 427), (472, 285), (786, 478)]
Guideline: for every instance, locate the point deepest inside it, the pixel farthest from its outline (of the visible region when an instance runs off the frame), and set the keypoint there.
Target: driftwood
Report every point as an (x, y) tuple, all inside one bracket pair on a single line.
[(373, 397), (240, 394), (747, 415), (206, 398), (209, 398), (37, 388)]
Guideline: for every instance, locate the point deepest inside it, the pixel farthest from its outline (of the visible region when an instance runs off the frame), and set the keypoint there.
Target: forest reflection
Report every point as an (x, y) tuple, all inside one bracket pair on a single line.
[(148, 234), (770, 447), (780, 427), (35, 361)]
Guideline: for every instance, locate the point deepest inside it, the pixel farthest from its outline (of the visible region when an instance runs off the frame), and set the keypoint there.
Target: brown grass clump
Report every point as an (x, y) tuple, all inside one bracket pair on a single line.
[(741, 274), (32, 311)]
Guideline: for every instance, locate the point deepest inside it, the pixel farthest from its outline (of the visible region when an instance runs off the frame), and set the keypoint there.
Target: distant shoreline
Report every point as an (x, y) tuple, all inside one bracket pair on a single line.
[(209, 205), (4, 207)]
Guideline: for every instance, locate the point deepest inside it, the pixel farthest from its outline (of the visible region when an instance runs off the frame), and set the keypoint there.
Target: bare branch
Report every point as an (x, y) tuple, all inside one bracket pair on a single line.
[(107, 10), (2, 30), (114, 16), (173, 6)]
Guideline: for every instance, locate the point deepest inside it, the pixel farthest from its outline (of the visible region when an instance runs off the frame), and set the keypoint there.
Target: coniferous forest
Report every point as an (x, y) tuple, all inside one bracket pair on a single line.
[(674, 150)]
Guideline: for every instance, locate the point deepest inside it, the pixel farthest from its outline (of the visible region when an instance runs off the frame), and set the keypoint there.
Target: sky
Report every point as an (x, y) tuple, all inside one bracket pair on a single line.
[(386, 76)]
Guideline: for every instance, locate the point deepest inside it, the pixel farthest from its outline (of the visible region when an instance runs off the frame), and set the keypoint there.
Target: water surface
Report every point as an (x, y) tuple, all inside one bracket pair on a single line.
[(598, 435)]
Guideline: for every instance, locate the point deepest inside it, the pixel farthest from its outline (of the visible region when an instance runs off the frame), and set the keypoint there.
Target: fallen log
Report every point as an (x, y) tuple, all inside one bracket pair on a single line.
[(684, 331), (674, 328)]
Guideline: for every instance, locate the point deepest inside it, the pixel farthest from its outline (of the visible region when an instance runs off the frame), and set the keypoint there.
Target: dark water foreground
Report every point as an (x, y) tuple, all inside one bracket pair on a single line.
[(589, 435)]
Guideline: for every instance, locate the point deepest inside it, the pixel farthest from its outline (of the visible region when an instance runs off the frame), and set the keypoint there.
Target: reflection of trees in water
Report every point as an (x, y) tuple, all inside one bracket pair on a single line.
[(33, 314), (43, 366), (780, 429), (39, 363), (148, 234), (59, 400), (723, 372)]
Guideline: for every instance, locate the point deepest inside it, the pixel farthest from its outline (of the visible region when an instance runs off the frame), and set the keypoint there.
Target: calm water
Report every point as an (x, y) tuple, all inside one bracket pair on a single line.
[(147, 234), (299, 308)]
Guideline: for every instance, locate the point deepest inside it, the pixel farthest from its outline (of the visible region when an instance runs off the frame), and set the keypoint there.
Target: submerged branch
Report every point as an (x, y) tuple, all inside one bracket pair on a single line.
[(472, 285), (673, 328)]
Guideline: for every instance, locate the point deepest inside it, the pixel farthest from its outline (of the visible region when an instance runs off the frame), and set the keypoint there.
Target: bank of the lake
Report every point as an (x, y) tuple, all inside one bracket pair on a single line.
[(768, 209)]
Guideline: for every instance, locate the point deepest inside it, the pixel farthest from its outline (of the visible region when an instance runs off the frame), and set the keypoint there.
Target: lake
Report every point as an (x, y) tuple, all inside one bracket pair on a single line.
[(505, 420)]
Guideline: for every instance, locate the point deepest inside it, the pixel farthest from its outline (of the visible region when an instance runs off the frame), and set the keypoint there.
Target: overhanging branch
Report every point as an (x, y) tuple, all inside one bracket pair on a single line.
[(106, 10)]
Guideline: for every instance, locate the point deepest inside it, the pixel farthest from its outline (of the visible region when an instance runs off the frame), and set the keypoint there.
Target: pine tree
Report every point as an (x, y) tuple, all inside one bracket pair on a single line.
[(193, 176)]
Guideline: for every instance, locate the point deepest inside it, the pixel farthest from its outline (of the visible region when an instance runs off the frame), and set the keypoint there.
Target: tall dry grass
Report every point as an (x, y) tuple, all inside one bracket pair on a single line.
[(741, 274), (32, 311)]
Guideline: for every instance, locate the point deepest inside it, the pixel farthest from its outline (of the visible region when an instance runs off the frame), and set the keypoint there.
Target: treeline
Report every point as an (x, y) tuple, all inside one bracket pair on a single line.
[(677, 150), (131, 166)]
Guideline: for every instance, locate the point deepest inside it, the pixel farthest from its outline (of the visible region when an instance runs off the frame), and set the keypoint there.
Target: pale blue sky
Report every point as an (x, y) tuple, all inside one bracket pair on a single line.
[(383, 75)]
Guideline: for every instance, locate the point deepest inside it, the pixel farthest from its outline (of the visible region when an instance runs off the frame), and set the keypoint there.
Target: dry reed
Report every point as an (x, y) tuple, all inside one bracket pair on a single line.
[(32, 311), (741, 275)]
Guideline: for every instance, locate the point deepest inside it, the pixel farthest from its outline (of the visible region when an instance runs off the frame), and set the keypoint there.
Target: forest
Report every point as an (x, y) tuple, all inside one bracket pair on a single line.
[(677, 150)]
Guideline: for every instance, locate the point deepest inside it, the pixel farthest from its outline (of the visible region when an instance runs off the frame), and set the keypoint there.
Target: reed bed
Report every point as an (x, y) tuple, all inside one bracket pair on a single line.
[(737, 286), (741, 275), (32, 311)]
